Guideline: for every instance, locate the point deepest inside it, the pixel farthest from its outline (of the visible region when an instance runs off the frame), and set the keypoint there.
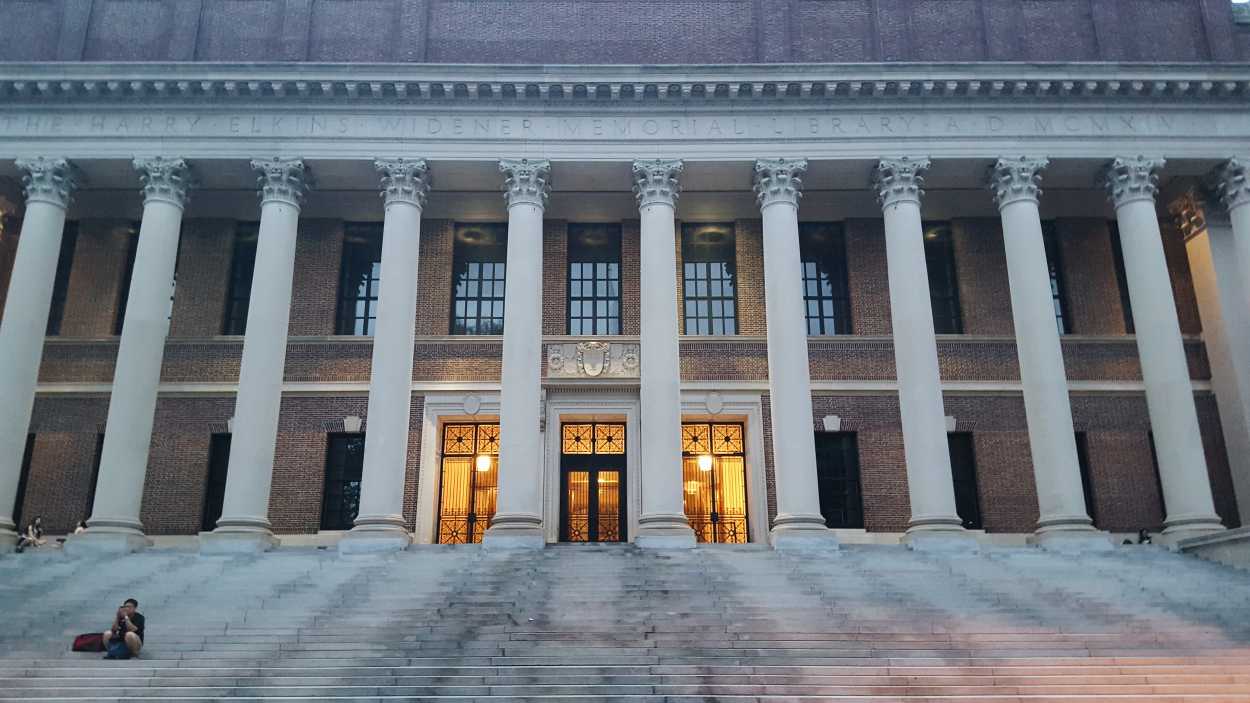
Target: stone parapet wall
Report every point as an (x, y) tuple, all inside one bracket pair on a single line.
[(621, 31)]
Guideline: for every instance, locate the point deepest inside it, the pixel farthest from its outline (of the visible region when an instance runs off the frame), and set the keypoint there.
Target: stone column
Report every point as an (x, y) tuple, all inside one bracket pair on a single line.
[(49, 182), (114, 525), (935, 523), (662, 524), (1064, 522), (799, 522), (244, 524), (1132, 184), (518, 522), (380, 524), (1234, 190)]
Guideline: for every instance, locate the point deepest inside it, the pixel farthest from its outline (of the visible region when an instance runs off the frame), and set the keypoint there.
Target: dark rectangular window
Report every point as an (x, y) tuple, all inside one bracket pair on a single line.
[(479, 265), (826, 289), (964, 476), (1087, 480), (1121, 279), (359, 280), (1054, 264), (22, 478), (128, 272), (215, 481), (345, 462), (709, 279), (837, 477), (939, 255), (594, 255), (60, 285), (242, 266), (95, 475)]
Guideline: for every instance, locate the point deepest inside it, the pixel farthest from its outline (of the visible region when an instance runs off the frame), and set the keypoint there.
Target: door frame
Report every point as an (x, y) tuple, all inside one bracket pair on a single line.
[(745, 407), (590, 404)]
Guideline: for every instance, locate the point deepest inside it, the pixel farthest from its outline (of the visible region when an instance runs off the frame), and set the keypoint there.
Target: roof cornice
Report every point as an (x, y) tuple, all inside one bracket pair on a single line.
[(77, 82)]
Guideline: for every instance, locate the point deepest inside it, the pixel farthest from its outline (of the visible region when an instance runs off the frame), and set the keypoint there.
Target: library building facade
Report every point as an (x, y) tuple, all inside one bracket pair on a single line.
[(374, 273)]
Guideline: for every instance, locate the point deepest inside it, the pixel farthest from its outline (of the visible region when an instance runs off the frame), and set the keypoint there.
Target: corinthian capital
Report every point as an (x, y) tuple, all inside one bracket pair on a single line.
[(526, 182), (49, 180), (166, 180), (900, 180), (1018, 178), (779, 181), (655, 181), (1130, 179), (282, 180), (1229, 180), (404, 180)]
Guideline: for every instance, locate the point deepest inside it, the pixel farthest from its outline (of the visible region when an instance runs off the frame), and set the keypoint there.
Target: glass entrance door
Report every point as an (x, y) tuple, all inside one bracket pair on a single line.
[(714, 481), (470, 482), (592, 482)]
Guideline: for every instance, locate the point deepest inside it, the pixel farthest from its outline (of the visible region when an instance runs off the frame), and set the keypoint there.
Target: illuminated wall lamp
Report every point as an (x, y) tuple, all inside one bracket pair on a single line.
[(482, 462), (705, 462)]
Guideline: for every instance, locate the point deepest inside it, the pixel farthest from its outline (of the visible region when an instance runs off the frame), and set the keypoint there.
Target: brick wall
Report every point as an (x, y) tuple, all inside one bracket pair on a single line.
[(868, 277), (749, 250), (433, 277), (981, 267), (1093, 293), (315, 289), (555, 276), (631, 273), (93, 298), (204, 259)]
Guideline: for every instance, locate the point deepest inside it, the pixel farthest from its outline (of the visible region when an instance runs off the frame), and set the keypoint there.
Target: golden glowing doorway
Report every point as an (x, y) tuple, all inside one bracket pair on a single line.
[(592, 482), (714, 481), (470, 482)]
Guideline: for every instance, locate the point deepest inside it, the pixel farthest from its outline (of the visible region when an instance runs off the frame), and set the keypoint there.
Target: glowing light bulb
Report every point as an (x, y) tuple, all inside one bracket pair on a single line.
[(705, 463), (482, 462)]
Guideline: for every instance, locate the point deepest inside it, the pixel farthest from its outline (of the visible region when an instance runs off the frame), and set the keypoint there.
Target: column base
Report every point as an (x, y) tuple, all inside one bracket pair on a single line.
[(231, 541), (802, 533), (1182, 527), (374, 539), (515, 531), (103, 541), (1071, 539), (664, 531), (8, 540), (944, 535)]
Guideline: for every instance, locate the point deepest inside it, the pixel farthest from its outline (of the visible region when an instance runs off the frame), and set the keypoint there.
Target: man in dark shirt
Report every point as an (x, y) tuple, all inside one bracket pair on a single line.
[(128, 625)]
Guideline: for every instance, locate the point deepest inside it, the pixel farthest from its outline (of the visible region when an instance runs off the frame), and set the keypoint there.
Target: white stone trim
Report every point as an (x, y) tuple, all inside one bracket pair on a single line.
[(609, 404)]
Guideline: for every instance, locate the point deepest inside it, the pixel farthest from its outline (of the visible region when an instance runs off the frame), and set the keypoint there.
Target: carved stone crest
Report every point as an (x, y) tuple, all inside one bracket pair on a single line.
[(592, 359)]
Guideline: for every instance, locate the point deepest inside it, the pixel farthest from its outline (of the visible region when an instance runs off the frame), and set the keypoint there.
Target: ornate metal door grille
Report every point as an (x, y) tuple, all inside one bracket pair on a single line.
[(592, 482), (470, 482), (714, 481)]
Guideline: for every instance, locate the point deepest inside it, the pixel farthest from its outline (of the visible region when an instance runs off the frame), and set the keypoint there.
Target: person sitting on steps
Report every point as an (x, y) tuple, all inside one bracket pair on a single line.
[(128, 625), (33, 536)]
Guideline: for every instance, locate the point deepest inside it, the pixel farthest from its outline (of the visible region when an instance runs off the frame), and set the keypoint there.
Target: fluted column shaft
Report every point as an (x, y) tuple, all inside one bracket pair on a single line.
[(518, 521), (49, 184), (662, 523), (114, 525), (1132, 185), (380, 524), (931, 489), (244, 523), (799, 521), (1052, 441)]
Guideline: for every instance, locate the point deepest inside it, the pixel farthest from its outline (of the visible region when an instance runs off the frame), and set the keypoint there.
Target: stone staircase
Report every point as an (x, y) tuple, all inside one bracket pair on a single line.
[(613, 623)]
